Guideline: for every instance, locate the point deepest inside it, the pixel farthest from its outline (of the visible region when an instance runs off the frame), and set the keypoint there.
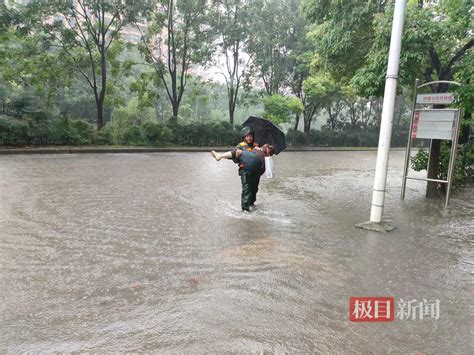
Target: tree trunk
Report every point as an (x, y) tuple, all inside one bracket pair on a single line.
[(306, 133), (433, 169), (231, 95), (99, 108), (433, 164), (175, 110), (100, 114), (307, 119), (297, 121), (307, 126), (100, 102), (231, 114)]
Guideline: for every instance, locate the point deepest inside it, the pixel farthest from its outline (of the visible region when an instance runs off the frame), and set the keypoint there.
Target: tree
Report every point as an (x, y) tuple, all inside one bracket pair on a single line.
[(280, 108), (301, 68), (343, 33), (25, 63), (300, 59), (272, 36), (87, 34), (334, 109), (353, 41), (230, 21), (185, 24), (319, 89), (432, 50)]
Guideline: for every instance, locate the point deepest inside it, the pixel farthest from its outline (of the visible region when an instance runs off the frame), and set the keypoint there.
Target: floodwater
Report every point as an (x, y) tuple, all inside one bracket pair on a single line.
[(150, 252)]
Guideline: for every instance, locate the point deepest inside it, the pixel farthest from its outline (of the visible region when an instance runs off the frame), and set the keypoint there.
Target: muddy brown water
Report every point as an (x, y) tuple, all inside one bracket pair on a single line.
[(150, 252)]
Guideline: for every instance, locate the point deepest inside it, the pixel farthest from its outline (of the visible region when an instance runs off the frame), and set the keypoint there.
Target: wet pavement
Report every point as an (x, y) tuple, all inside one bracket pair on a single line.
[(150, 252)]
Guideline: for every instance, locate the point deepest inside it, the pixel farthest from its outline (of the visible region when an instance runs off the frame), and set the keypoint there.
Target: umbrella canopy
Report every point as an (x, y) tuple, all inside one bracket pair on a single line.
[(266, 133)]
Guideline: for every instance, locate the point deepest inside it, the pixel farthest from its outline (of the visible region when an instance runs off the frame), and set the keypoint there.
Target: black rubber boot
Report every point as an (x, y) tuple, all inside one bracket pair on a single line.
[(254, 187), (246, 181)]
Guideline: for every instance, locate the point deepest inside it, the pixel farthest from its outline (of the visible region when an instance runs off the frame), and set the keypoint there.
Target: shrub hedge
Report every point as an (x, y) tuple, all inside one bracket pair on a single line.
[(328, 138), (66, 131)]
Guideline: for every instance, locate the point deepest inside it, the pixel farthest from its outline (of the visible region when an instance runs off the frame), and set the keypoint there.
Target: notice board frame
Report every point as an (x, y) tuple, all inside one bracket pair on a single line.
[(454, 143)]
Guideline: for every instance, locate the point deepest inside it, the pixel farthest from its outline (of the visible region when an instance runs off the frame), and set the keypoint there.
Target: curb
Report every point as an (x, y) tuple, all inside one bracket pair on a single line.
[(36, 150)]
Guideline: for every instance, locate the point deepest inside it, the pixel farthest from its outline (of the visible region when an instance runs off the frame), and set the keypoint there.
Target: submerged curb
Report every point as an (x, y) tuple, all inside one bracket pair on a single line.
[(88, 150)]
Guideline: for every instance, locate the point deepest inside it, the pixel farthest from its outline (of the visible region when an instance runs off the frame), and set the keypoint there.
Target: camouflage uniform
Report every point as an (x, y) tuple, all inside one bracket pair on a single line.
[(249, 176)]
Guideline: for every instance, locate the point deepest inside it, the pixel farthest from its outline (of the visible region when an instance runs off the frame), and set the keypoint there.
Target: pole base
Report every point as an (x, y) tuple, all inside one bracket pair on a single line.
[(382, 227)]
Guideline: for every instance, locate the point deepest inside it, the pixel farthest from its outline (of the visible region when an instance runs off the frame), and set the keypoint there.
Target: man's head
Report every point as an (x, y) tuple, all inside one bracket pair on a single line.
[(268, 149), (247, 135)]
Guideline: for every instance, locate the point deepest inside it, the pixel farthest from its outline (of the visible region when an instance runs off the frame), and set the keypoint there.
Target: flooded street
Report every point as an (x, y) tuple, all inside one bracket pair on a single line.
[(151, 252)]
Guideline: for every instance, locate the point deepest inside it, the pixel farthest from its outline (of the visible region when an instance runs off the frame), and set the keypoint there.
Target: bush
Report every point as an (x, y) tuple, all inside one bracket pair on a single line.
[(347, 138), (13, 131), (34, 131), (223, 133), (74, 132), (463, 167), (133, 135), (156, 134), (295, 137), (105, 135), (200, 134), (41, 132)]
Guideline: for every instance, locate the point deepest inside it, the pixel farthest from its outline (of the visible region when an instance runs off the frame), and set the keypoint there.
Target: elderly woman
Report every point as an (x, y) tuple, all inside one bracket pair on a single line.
[(251, 167)]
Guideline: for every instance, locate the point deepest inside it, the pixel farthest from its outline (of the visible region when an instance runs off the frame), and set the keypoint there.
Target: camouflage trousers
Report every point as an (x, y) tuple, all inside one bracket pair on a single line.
[(250, 183)]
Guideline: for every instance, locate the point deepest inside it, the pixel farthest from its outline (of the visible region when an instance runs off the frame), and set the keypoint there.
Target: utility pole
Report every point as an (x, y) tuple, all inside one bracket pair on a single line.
[(378, 196)]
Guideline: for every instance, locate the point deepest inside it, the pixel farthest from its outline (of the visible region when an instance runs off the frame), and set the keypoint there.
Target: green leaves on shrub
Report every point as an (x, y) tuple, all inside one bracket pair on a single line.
[(463, 167)]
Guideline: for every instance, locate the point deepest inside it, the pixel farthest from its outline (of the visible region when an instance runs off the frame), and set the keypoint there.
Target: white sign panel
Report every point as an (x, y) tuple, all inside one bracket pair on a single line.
[(434, 124), (443, 99)]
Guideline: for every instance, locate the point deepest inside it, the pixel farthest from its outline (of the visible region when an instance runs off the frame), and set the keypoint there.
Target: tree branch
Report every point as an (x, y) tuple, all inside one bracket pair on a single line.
[(88, 21), (460, 53), (156, 63)]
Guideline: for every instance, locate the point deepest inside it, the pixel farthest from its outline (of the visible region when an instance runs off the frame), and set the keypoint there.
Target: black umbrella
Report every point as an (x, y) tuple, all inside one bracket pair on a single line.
[(266, 133)]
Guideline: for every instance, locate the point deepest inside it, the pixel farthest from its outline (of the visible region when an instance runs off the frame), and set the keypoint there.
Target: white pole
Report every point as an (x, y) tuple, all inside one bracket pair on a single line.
[(378, 195)]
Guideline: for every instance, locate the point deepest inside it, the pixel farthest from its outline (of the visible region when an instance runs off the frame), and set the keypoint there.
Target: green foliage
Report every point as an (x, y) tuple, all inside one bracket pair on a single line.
[(132, 135), (353, 40), (145, 88), (321, 87), (463, 167), (273, 34), (136, 125), (72, 132), (31, 131), (42, 67), (343, 138), (465, 76), (105, 136), (189, 41), (230, 19), (280, 108), (343, 33), (13, 131), (198, 134), (330, 138), (84, 37), (24, 58), (434, 44), (295, 137), (156, 134), (126, 125), (133, 114)]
